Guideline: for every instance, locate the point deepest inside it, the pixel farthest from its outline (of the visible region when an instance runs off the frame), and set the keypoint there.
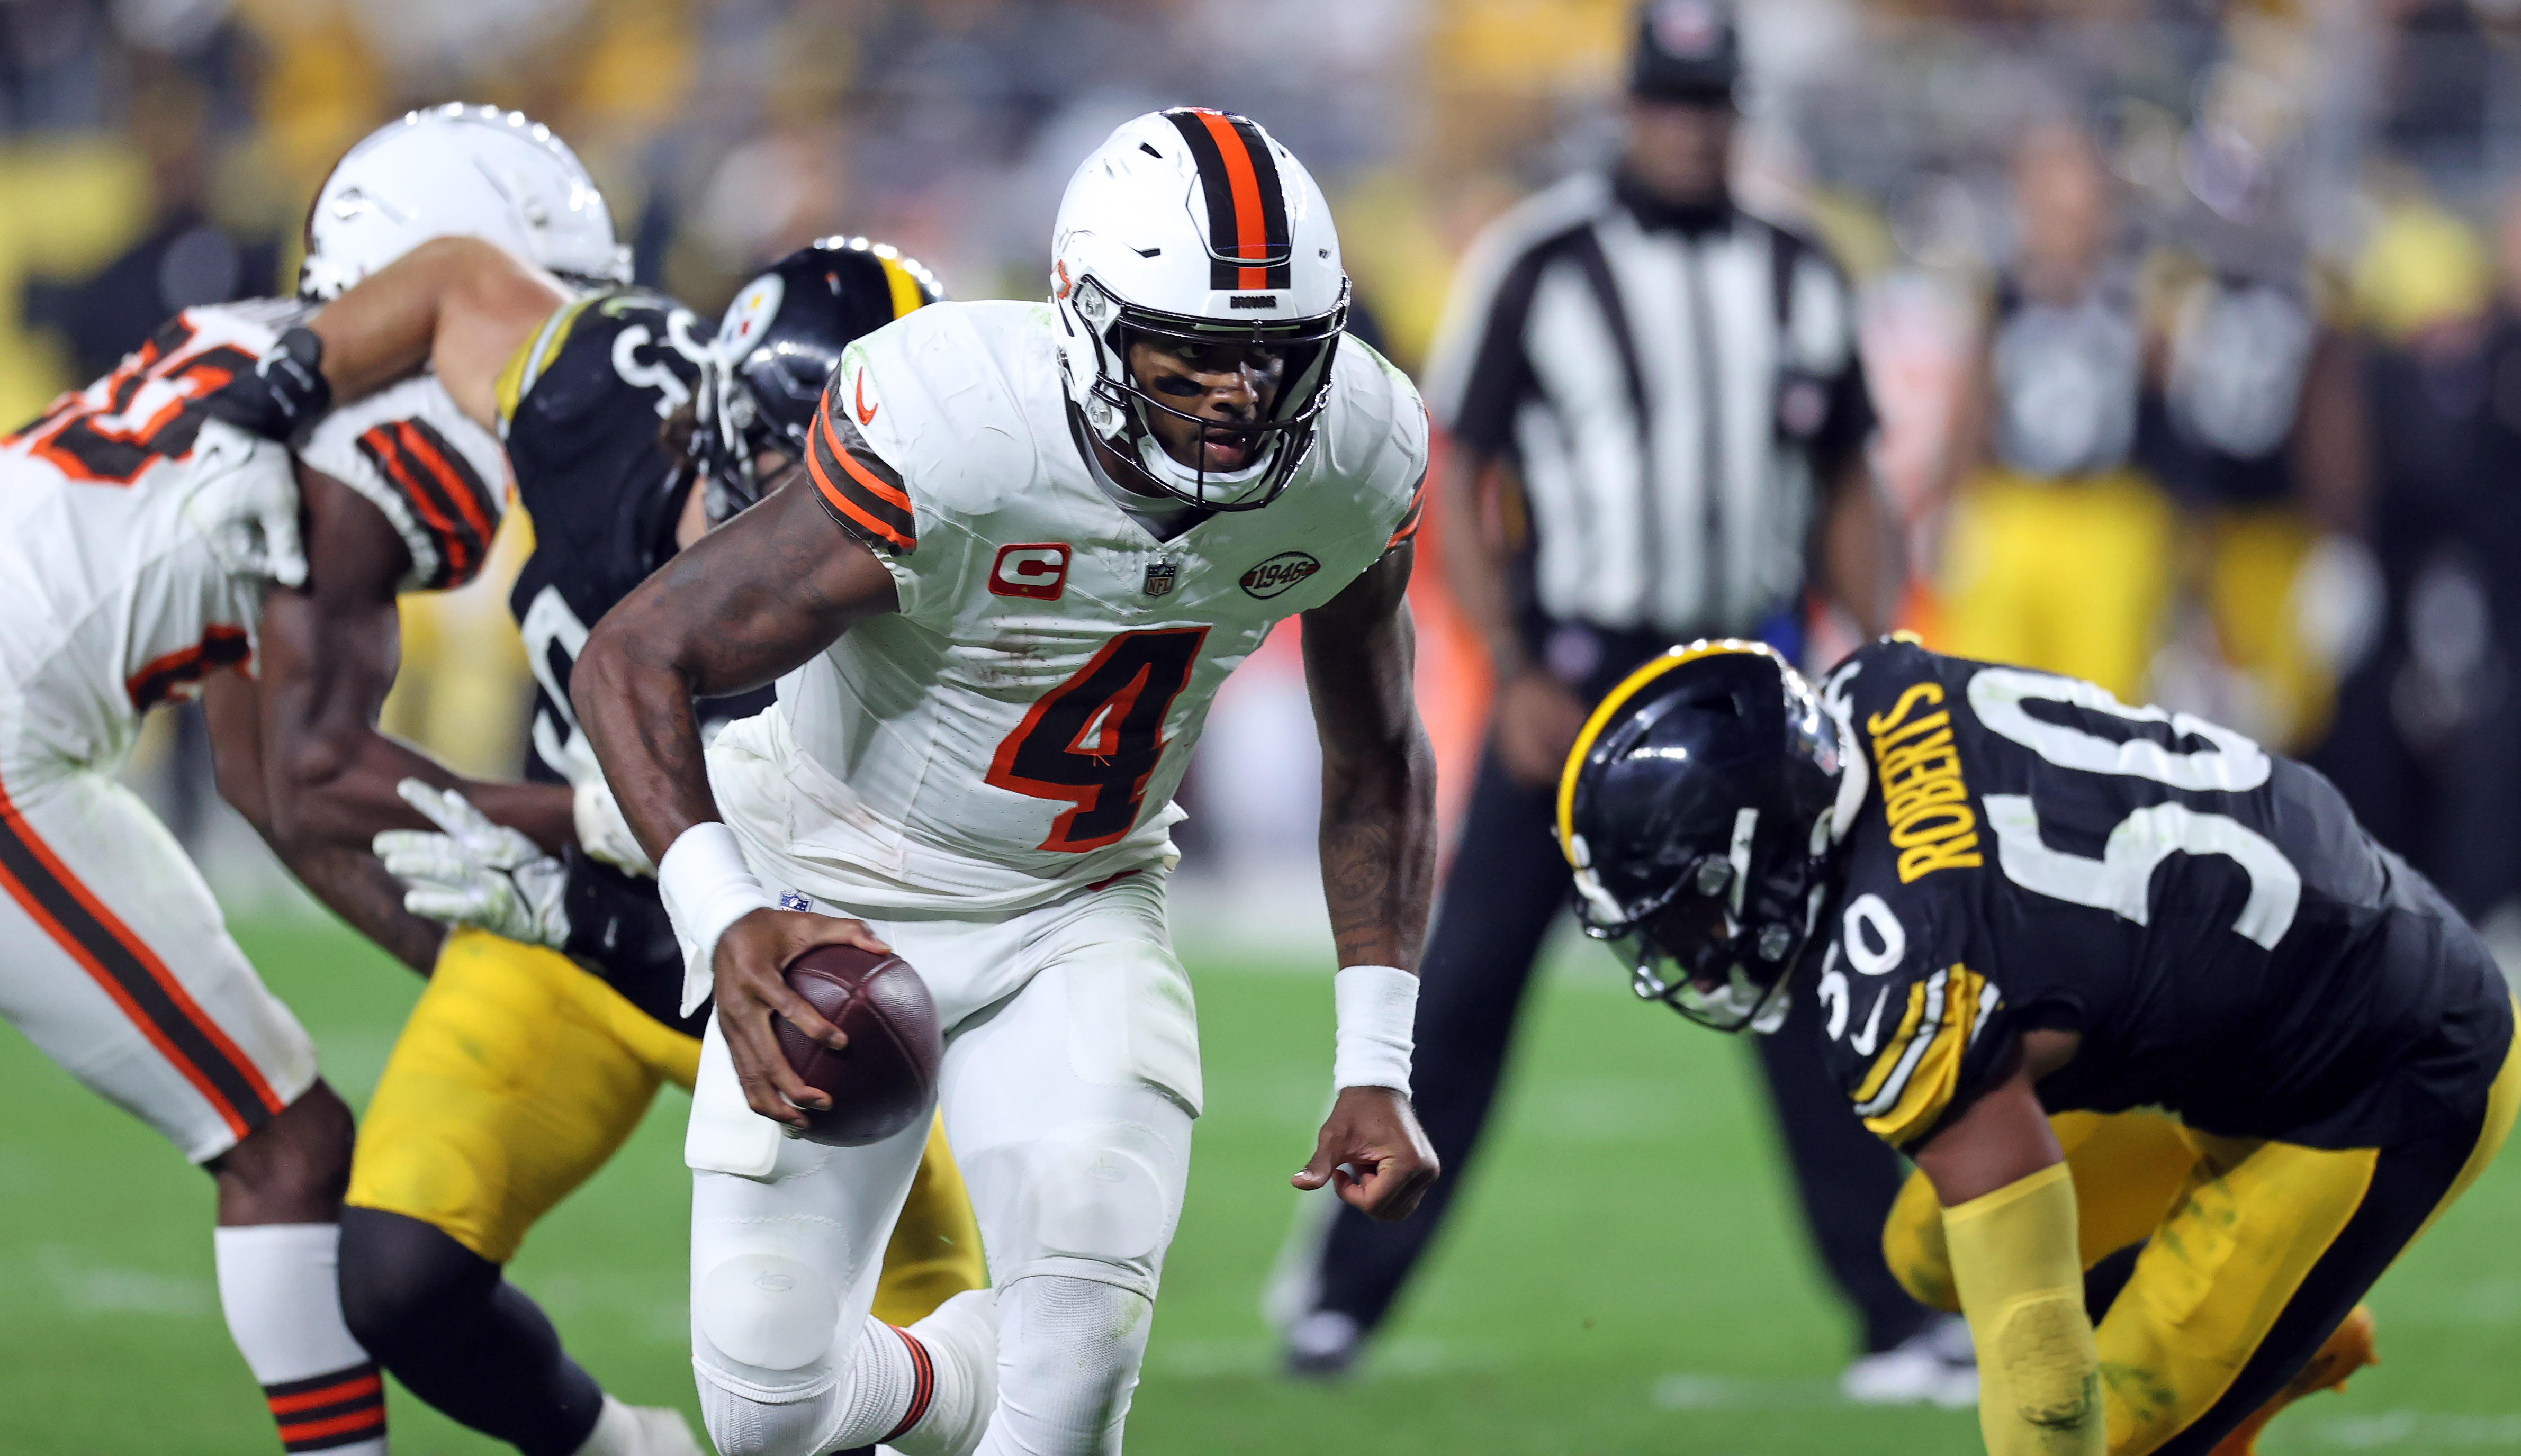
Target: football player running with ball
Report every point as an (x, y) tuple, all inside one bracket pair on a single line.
[(2111, 975), (1034, 540)]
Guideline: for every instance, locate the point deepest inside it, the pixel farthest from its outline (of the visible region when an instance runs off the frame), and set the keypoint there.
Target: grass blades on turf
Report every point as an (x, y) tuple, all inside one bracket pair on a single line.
[(1626, 1276)]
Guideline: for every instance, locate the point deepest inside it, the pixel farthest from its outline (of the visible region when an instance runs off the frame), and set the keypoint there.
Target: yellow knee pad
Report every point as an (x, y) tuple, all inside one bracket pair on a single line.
[(2044, 1350)]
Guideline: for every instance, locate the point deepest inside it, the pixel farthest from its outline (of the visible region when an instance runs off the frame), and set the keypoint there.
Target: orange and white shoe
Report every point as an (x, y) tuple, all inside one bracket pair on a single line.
[(2348, 1350)]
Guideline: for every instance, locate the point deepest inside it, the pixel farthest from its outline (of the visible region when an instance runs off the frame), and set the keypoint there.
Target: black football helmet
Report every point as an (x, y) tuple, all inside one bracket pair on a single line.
[(1701, 810), (779, 345)]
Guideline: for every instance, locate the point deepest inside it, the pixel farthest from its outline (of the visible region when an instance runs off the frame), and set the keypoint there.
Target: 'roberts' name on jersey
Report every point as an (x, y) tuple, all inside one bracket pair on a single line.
[(1923, 795)]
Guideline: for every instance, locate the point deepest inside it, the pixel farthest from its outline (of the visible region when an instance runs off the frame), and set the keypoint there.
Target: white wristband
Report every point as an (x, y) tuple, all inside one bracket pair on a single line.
[(707, 887), (1378, 1014)]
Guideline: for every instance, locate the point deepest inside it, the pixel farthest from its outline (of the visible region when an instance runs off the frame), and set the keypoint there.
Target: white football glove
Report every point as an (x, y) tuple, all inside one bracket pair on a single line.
[(603, 833), (244, 501), (478, 874)]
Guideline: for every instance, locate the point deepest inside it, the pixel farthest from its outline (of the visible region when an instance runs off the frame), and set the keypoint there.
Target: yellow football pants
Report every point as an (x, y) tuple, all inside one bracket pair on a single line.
[(520, 1073), (2069, 576), (2245, 579), (2080, 576), (2254, 1252)]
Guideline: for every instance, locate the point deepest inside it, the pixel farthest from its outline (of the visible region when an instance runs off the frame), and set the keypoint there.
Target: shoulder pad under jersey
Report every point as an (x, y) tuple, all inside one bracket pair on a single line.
[(1906, 1016), (436, 476)]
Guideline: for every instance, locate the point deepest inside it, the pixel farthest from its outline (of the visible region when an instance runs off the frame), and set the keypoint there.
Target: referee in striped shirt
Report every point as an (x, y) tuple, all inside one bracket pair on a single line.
[(1658, 422)]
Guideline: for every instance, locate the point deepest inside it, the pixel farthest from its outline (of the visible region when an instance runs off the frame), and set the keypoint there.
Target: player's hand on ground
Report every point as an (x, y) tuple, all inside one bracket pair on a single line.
[(752, 987), (1537, 721), (473, 872), (1374, 1154)]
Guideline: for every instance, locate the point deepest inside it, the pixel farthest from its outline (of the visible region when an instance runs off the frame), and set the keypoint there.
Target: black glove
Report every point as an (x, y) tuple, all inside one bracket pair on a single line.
[(286, 392)]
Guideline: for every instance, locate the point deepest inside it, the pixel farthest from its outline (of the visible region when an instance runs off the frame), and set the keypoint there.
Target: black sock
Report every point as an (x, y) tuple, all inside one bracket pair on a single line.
[(444, 1321)]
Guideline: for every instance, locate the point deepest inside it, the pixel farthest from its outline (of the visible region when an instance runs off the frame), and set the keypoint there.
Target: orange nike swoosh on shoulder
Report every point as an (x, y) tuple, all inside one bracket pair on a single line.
[(866, 411)]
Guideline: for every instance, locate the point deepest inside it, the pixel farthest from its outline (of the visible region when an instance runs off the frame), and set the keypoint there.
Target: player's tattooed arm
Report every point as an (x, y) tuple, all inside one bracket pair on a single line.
[(328, 652), (744, 605), (1378, 828), (348, 880), (1378, 848), (461, 305)]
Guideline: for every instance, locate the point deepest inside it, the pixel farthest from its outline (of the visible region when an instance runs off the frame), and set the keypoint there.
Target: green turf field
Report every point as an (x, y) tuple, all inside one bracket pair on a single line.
[(1627, 1276)]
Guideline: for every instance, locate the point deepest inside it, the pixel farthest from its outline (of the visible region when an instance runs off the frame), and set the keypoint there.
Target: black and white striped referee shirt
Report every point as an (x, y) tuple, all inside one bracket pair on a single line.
[(1663, 391)]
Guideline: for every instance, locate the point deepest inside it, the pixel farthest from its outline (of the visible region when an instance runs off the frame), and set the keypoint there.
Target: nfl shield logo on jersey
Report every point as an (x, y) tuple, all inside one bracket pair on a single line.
[(1160, 577)]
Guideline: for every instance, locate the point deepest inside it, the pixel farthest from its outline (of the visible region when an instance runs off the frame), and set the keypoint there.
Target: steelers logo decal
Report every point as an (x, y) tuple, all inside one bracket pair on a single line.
[(750, 313)]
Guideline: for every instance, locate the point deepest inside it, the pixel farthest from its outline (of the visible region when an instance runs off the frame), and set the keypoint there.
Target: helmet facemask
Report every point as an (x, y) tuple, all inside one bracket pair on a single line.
[(732, 433), (1123, 411), (1720, 946), (1704, 828)]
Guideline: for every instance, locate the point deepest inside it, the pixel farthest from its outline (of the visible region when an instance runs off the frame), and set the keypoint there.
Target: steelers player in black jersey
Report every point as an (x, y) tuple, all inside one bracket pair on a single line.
[(553, 1014), (2113, 977)]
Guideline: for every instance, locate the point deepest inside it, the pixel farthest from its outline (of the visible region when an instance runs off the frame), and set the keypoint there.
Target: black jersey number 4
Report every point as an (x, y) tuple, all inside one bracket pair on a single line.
[(2120, 881)]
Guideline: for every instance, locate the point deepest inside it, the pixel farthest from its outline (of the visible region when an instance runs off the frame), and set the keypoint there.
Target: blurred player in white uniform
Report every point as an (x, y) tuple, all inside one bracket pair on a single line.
[(1035, 540), (140, 532)]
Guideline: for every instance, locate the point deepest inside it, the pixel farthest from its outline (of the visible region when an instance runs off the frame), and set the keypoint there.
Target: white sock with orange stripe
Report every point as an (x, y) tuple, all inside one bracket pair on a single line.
[(891, 1380), (280, 1287)]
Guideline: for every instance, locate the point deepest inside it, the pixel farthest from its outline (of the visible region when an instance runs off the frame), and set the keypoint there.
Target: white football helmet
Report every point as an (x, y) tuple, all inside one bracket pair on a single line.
[(1193, 224), (458, 170)]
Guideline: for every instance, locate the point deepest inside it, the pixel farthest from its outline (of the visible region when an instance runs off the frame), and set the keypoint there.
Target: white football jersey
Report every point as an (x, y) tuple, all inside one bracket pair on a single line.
[(134, 539), (1017, 728)]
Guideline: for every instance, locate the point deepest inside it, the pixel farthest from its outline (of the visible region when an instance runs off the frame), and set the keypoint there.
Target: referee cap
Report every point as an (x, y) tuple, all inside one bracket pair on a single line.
[(1686, 50)]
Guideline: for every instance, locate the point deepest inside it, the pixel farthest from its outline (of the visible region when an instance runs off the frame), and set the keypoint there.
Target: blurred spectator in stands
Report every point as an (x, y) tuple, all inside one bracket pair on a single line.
[(2481, 866), (2252, 420), (185, 257), (2059, 547), (2422, 746)]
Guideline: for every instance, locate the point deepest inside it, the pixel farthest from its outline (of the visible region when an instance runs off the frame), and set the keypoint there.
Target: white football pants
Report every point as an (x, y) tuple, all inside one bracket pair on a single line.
[(114, 961), (1069, 1105)]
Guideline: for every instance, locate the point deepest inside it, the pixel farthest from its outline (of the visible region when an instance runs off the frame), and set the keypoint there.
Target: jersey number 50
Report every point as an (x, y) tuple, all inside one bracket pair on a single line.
[(1095, 740), (2121, 881)]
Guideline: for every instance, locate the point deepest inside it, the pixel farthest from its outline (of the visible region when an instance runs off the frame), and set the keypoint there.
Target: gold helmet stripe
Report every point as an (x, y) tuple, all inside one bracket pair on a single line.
[(905, 288), (1612, 706)]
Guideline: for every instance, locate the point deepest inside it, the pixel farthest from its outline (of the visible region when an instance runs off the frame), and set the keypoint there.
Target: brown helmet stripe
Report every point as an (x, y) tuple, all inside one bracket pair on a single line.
[(1248, 238)]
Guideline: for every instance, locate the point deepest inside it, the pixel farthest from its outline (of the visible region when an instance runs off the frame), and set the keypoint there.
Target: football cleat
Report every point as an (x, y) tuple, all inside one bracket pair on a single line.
[(2348, 1349), (1937, 1365), (1323, 1344), (623, 1429)]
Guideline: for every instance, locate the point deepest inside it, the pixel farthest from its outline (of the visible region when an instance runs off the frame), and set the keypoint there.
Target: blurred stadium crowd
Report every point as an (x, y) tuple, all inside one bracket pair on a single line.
[(2195, 328)]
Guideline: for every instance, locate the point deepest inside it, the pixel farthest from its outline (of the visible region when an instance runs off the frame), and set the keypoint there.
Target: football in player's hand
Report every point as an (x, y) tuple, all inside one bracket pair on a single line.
[(885, 1078)]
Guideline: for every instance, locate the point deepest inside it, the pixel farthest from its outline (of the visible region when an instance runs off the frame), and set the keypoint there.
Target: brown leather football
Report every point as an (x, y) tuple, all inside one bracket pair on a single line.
[(885, 1078)]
